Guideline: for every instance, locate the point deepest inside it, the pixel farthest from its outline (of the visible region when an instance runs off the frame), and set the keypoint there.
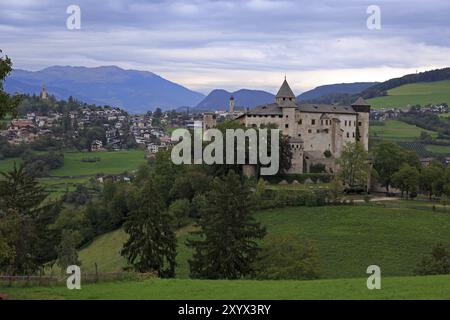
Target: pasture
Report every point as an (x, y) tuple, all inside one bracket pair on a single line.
[(429, 287), (347, 238), (422, 93)]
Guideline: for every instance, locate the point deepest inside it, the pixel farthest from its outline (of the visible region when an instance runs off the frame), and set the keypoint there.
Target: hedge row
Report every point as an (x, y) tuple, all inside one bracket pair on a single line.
[(300, 177)]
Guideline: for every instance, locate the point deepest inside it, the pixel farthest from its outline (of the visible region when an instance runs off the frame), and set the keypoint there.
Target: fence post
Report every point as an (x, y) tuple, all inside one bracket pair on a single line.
[(96, 272)]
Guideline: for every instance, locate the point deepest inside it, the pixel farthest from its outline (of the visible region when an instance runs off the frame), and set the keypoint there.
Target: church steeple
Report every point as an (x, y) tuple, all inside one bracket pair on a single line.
[(285, 94), (44, 93)]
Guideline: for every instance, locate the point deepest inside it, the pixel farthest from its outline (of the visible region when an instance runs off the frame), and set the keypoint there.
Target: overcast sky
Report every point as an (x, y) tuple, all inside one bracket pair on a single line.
[(206, 44)]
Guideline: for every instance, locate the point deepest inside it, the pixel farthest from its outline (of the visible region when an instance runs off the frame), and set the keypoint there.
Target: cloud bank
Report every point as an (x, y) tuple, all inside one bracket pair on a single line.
[(206, 44)]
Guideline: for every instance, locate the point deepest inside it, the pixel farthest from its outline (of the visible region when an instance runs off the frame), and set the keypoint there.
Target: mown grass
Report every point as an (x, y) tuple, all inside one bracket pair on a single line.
[(415, 93), (430, 287), (347, 238), (113, 162), (398, 131), (445, 150), (109, 163)]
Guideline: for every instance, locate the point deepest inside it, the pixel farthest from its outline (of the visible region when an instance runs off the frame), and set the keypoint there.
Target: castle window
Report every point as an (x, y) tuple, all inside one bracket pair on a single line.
[(299, 134), (345, 123), (360, 124), (286, 125), (353, 134), (287, 116), (326, 130), (272, 116), (280, 116), (317, 130), (300, 121), (313, 121), (309, 131), (348, 135)]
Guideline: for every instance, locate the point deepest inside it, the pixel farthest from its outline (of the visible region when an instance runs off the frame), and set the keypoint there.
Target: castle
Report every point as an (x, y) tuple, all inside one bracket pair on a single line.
[(317, 133)]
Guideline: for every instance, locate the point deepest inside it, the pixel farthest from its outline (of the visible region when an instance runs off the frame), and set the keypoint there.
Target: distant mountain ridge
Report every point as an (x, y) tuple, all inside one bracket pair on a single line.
[(427, 76), (334, 89), (219, 99), (135, 91)]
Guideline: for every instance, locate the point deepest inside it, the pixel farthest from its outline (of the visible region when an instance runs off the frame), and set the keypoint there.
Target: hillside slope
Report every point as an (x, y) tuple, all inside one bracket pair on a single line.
[(340, 88), (347, 238), (422, 93)]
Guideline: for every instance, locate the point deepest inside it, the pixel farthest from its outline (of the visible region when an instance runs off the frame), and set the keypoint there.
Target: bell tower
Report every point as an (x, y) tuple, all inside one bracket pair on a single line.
[(231, 104)]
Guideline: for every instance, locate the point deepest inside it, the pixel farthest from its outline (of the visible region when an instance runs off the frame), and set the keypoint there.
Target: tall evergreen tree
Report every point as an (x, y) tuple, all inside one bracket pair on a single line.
[(24, 219), (226, 246), (152, 243)]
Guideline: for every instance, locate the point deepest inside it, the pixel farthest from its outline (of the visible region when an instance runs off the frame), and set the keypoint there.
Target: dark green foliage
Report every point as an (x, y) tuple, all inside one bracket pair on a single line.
[(285, 257), (438, 262), (8, 104), (389, 157), (39, 165), (179, 210), (151, 246), (24, 220), (317, 168), (226, 246), (300, 177)]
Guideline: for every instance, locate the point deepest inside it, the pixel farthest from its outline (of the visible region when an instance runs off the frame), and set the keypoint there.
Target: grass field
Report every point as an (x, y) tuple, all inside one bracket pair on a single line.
[(438, 149), (76, 172), (398, 131), (110, 163), (347, 238), (415, 93), (430, 287), (8, 164)]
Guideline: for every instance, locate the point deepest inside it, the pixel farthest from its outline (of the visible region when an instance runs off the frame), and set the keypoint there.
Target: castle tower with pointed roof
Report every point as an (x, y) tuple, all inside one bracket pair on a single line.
[(317, 133), (285, 95)]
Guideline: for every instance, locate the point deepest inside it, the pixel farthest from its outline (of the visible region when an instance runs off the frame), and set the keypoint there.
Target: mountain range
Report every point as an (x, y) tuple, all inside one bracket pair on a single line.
[(140, 91), (340, 88), (132, 90), (219, 99)]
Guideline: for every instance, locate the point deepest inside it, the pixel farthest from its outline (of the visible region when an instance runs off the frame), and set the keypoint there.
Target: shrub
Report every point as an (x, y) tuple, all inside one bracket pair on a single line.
[(318, 168), (438, 262), (327, 154), (285, 257)]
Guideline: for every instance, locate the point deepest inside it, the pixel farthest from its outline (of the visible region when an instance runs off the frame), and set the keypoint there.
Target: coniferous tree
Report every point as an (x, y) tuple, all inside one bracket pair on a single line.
[(226, 246), (152, 243), (23, 221)]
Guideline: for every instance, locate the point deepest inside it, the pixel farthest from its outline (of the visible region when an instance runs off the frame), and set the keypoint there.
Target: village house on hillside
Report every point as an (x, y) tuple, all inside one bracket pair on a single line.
[(317, 133)]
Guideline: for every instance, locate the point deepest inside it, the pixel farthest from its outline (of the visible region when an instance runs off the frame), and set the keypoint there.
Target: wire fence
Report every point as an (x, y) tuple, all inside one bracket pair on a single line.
[(48, 281)]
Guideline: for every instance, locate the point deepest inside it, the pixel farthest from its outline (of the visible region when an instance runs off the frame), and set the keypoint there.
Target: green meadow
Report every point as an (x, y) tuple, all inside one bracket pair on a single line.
[(347, 238), (113, 162), (429, 287), (445, 150), (422, 93), (398, 131), (75, 171)]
